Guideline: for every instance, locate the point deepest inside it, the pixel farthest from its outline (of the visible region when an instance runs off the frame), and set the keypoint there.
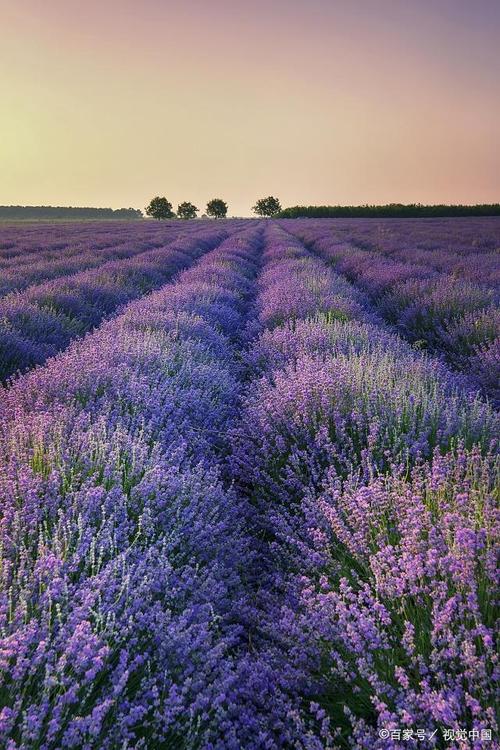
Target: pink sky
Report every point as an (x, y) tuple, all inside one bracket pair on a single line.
[(108, 103)]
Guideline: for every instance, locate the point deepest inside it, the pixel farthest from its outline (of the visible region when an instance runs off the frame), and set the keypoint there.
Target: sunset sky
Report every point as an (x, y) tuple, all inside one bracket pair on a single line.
[(109, 102)]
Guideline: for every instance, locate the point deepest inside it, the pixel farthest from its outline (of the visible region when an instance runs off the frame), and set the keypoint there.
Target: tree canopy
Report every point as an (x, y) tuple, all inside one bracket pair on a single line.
[(160, 208), (67, 212), (217, 208), (391, 210), (186, 210), (267, 206)]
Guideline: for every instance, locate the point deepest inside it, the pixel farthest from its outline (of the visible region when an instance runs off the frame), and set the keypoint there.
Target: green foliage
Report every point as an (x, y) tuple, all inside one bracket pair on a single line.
[(269, 206), (393, 210), (187, 210), (34, 213), (217, 208), (160, 208)]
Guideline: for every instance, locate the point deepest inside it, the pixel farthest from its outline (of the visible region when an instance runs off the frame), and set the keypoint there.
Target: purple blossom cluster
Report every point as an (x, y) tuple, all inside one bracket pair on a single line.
[(400, 585), (244, 512), (439, 288)]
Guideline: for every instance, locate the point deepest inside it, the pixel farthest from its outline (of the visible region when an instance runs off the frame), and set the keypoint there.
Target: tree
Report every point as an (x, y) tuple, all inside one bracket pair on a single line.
[(267, 206), (160, 208), (217, 208), (187, 210)]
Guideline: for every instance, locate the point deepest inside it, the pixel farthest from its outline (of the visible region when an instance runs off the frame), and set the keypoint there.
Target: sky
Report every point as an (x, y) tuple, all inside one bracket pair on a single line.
[(110, 102)]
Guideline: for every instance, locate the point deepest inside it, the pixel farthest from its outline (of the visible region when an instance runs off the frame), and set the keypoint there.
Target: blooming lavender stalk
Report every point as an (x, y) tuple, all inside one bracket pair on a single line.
[(397, 599)]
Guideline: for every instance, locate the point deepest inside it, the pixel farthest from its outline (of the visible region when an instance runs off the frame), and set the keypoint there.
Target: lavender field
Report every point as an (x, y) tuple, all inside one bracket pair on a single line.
[(249, 485)]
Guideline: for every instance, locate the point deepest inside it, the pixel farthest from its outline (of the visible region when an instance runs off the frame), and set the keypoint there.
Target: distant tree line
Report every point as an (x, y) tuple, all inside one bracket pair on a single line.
[(160, 208), (391, 210), (67, 212)]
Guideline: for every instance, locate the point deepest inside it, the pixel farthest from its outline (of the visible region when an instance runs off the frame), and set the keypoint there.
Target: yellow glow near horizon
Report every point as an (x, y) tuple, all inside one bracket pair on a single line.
[(109, 103)]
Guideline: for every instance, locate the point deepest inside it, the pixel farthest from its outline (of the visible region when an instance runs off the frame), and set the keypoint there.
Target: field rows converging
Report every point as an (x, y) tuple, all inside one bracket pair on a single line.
[(21, 246), (244, 513), (122, 549), (36, 268), (42, 320), (372, 477), (464, 249), (444, 300), (28, 241), (75, 252)]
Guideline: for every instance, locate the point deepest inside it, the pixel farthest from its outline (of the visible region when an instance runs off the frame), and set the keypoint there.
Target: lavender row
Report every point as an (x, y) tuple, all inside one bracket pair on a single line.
[(29, 268), (122, 604), (42, 320), (371, 476), (27, 244), (464, 248), (25, 271), (19, 241), (455, 318)]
